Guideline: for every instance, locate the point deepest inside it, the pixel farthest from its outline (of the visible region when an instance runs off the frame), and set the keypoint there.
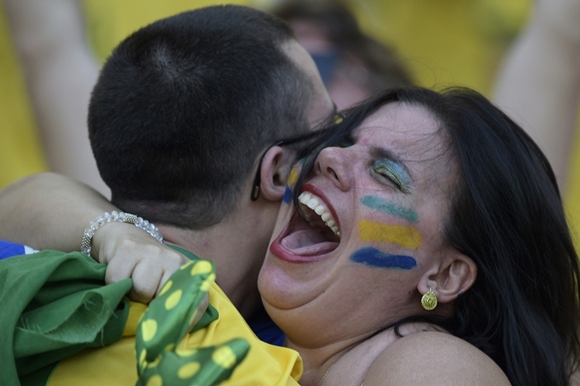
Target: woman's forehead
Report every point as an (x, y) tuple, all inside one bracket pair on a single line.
[(411, 126)]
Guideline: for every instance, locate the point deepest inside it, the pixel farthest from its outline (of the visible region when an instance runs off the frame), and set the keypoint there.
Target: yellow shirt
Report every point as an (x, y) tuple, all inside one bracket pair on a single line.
[(116, 364)]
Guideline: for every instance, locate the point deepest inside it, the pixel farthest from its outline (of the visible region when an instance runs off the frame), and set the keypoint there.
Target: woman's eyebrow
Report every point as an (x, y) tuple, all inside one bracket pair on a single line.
[(381, 152)]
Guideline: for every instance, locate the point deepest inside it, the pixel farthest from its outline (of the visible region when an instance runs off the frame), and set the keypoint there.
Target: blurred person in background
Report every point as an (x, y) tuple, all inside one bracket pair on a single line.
[(539, 83), (353, 65), (60, 70)]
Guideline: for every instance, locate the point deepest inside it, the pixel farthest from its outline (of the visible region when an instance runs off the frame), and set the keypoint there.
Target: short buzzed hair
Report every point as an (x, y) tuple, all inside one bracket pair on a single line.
[(184, 106)]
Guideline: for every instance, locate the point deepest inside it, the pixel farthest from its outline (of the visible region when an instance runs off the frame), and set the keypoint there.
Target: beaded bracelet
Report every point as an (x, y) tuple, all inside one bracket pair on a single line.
[(116, 217)]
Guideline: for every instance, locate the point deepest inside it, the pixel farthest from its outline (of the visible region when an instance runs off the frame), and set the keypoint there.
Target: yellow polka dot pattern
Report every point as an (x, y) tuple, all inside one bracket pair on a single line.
[(166, 287), (224, 356), (173, 300), (165, 323), (204, 267), (155, 380), (188, 370), (149, 329)]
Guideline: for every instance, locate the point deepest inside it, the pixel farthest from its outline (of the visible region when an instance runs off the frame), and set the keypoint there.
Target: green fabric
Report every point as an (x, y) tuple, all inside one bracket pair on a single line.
[(53, 305), (210, 313), (167, 320), (38, 377)]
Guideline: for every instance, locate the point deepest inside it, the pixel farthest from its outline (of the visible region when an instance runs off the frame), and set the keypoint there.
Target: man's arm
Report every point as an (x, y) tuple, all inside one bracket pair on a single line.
[(60, 72), (539, 84), (51, 211)]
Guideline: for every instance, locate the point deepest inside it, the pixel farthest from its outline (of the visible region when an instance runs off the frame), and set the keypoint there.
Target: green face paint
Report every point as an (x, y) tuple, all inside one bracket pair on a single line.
[(391, 208)]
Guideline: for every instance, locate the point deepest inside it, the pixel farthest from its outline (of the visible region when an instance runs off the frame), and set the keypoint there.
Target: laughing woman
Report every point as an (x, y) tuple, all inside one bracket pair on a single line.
[(424, 242), (427, 245)]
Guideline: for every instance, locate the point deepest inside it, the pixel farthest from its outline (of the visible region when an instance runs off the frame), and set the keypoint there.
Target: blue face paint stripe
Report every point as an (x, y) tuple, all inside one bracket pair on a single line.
[(287, 195), (390, 208), (375, 258)]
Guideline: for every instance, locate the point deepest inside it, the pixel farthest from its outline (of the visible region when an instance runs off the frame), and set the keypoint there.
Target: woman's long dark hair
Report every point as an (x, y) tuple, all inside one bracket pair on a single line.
[(506, 214)]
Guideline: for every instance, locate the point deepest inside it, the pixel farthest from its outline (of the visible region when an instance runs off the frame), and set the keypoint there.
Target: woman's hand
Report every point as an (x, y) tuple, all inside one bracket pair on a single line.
[(129, 252)]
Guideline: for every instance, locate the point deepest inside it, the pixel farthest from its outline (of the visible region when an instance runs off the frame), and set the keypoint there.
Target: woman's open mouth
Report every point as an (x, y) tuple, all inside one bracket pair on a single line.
[(311, 234)]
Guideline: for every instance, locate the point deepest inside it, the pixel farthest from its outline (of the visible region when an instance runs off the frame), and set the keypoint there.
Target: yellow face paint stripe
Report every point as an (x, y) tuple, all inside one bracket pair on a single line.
[(291, 182), (405, 236), (293, 176)]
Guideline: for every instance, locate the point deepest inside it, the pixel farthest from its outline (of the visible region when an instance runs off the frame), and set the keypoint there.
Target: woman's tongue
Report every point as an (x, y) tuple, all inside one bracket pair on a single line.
[(307, 241)]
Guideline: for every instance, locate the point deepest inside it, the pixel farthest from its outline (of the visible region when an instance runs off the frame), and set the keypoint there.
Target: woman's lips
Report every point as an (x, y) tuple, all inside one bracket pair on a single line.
[(302, 242)]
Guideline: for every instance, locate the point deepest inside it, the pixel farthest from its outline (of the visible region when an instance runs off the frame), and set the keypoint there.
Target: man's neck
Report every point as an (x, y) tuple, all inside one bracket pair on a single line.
[(237, 252)]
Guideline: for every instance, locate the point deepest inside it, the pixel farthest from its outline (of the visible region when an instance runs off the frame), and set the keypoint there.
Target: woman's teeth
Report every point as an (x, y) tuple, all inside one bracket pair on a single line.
[(318, 207)]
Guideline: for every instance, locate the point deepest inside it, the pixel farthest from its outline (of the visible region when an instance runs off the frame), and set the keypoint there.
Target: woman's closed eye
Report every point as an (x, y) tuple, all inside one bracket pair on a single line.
[(391, 171)]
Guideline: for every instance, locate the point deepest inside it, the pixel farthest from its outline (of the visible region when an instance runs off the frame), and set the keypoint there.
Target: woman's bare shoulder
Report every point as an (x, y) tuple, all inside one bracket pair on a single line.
[(434, 358)]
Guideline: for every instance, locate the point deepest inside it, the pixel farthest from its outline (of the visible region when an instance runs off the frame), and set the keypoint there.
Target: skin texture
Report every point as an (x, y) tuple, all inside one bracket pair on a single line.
[(345, 302), (433, 358)]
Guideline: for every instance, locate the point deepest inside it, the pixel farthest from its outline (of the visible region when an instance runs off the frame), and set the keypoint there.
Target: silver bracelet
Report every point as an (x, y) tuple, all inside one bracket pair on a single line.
[(116, 217)]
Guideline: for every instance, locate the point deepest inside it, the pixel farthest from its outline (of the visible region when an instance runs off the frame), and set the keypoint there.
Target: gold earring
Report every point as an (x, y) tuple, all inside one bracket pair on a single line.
[(429, 300)]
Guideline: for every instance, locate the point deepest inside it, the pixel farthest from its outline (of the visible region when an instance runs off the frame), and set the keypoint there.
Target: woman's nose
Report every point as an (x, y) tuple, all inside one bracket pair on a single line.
[(332, 162)]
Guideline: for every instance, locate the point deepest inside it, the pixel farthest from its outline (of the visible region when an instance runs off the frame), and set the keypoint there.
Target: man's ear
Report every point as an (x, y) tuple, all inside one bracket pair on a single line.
[(276, 166), (454, 274)]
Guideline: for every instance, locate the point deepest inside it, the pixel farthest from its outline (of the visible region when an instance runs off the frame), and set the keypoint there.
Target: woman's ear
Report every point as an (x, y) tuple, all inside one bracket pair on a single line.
[(454, 275), (276, 166)]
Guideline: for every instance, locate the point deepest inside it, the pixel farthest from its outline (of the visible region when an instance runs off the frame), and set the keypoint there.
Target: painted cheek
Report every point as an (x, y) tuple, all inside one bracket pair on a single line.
[(388, 207), (293, 176), (375, 258), (291, 182), (404, 236), (287, 195)]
